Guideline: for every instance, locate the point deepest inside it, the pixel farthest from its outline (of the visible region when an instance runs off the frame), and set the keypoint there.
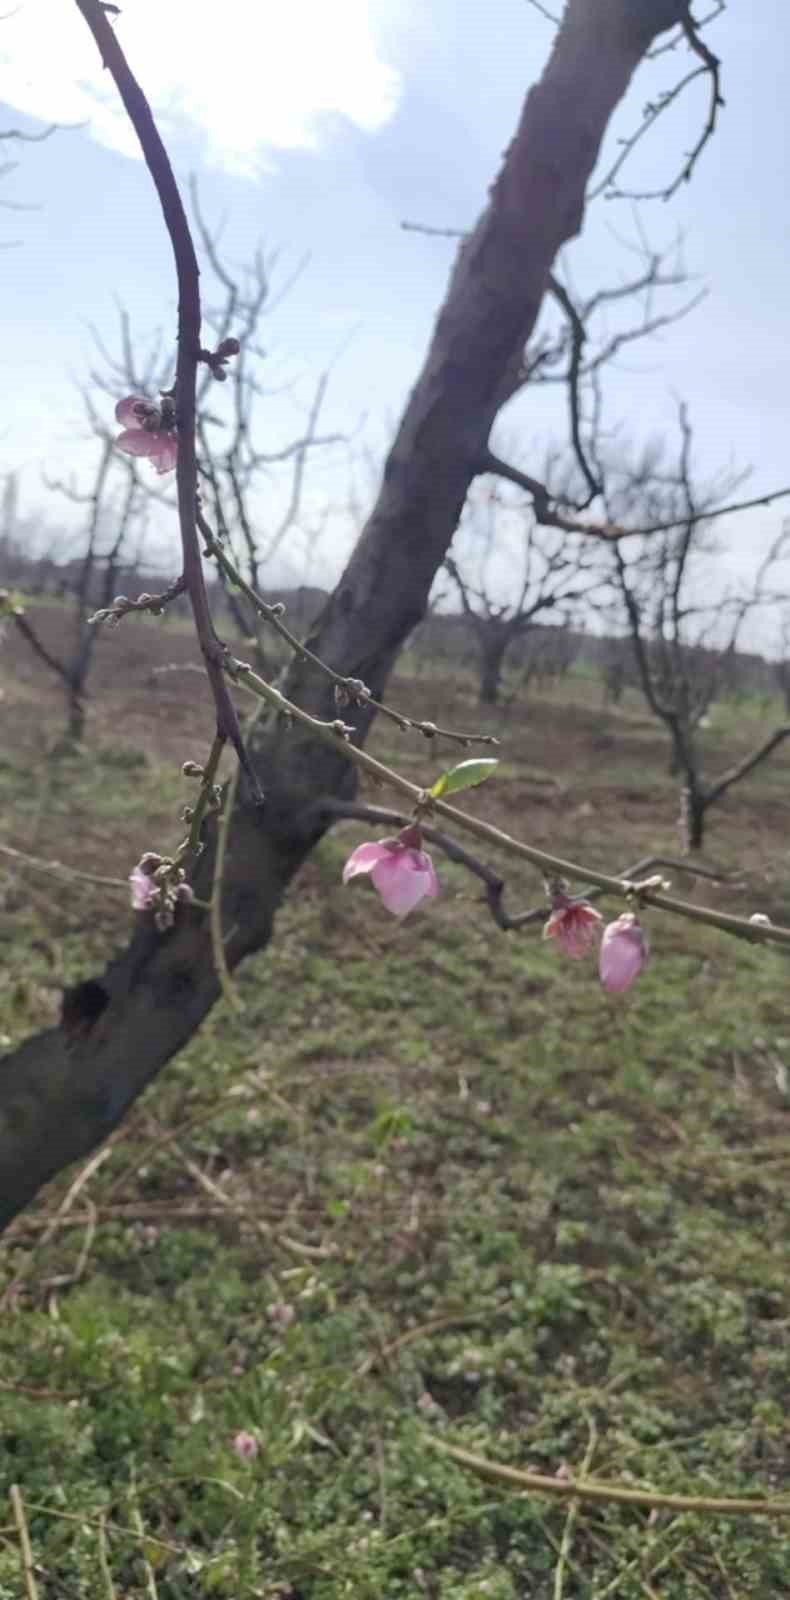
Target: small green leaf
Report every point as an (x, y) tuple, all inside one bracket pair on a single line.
[(465, 776)]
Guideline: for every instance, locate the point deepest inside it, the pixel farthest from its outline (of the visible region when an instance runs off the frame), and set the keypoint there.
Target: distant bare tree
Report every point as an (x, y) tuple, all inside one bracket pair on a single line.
[(501, 550), (89, 581), (683, 637)]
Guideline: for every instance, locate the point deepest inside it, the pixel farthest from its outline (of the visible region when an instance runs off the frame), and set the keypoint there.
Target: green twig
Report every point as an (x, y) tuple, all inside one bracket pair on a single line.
[(337, 734), (608, 1493)]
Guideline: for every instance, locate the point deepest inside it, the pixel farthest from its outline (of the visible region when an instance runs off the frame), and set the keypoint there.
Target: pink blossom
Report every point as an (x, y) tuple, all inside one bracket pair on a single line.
[(146, 432), (245, 1446), (281, 1314), (624, 952), (402, 873), (143, 888), (574, 924)]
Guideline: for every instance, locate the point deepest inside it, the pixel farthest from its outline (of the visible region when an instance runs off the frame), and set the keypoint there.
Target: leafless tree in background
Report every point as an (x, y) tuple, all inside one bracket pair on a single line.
[(254, 492), (501, 550), (683, 635), (111, 541)]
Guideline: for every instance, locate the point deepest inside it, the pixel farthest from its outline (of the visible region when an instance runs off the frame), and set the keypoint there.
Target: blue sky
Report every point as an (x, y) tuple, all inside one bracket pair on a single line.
[(319, 129)]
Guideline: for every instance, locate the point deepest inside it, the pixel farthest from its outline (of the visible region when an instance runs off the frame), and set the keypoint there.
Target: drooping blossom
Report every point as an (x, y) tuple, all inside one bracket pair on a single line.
[(400, 870), (574, 924), (623, 954), (245, 1446), (149, 892), (148, 431), (141, 881)]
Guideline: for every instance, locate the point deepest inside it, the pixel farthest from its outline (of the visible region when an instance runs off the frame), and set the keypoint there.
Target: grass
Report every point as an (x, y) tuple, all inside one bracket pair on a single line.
[(430, 1185)]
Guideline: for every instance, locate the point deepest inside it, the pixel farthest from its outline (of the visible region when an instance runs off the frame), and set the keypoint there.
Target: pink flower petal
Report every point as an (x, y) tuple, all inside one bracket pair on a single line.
[(128, 412), (364, 859), (623, 954), (403, 879), (574, 925), (164, 451), (135, 442), (246, 1446), (142, 888)]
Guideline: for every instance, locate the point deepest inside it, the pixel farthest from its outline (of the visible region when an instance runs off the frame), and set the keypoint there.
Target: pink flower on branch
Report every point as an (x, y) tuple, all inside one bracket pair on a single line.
[(401, 872), (148, 431), (623, 954), (246, 1446), (574, 924)]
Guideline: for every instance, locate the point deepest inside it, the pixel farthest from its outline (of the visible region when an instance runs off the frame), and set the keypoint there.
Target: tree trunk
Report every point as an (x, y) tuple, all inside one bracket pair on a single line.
[(64, 1090), (493, 649), (692, 818)]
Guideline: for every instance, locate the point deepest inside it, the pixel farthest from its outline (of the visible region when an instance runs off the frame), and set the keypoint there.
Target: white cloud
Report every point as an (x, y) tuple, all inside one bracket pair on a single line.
[(243, 75)]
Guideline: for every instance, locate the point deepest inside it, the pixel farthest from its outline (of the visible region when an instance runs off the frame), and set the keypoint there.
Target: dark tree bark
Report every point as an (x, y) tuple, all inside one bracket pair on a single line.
[(62, 1091), (493, 642)]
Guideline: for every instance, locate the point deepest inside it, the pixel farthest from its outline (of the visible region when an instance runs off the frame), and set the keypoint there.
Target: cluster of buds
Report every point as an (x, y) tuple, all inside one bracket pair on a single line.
[(157, 885), (623, 951), (403, 874), (216, 360)]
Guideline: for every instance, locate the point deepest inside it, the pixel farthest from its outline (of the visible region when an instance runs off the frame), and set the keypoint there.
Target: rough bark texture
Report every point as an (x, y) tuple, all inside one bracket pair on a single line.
[(63, 1090)]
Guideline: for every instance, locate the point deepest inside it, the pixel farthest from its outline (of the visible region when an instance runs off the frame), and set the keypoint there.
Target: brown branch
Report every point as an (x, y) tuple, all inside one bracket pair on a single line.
[(348, 691), (578, 337), (742, 768), (711, 67), (189, 322), (547, 513), (155, 603)]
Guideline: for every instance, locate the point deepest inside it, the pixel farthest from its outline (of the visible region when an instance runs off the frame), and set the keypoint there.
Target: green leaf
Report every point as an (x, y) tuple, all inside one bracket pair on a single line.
[(465, 776)]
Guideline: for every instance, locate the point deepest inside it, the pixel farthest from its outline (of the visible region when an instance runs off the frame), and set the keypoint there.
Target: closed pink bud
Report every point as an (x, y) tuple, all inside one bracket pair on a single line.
[(401, 873), (623, 954), (574, 924), (245, 1446)]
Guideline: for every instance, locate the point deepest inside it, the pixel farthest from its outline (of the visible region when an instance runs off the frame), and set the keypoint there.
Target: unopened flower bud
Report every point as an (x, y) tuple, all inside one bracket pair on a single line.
[(623, 954)]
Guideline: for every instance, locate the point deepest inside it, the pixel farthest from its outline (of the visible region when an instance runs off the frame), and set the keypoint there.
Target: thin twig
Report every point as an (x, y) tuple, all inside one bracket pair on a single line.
[(601, 1493), (28, 1572), (339, 735), (348, 690), (546, 512), (189, 348), (573, 1512), (104, 1558), (59, 869)]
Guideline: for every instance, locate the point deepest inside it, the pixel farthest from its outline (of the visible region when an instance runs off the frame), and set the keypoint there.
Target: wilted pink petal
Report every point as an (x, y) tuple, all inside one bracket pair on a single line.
[(143, 888), (163, 451), (402, 874), (574, 924), (130, 412), (245, 1446), (624, 952)]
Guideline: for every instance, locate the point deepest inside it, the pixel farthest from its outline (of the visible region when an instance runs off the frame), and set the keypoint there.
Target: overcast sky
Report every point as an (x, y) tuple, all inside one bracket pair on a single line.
[(318, 128)]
